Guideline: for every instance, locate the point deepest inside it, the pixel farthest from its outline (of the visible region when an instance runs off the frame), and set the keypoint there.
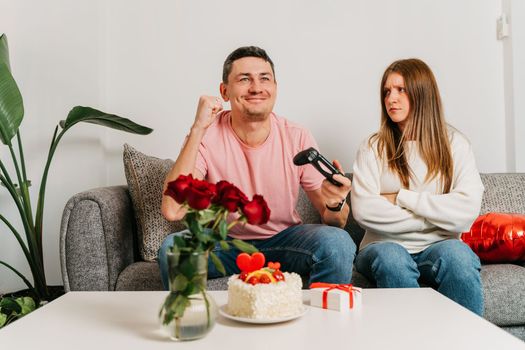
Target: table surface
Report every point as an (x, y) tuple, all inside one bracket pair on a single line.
[(389, 319)]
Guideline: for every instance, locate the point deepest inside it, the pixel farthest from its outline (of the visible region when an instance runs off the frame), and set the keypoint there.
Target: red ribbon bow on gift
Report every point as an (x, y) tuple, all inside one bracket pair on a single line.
[(329, 286)]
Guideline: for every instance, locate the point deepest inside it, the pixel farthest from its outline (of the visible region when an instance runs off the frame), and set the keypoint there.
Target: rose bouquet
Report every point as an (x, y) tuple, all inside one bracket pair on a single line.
[(207, 208)]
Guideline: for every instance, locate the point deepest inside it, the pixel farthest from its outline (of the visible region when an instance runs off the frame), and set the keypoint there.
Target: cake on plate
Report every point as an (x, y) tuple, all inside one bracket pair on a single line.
[(263, 292)]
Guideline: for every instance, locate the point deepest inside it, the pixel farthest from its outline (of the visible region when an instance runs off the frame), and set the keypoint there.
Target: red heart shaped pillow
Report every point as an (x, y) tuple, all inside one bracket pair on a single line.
[(497, 237)]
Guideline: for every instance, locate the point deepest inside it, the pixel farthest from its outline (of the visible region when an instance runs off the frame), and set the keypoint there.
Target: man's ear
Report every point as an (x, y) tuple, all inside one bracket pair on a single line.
[(224, 92)]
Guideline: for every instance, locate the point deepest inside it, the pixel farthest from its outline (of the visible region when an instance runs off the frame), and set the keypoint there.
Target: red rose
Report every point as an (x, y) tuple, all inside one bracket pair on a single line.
[(219, 186), (177, 188), (199, 194), (256, 211), (229, 196)]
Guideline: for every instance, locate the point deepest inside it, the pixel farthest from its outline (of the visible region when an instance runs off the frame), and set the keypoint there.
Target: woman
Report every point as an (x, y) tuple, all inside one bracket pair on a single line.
[(415, 189)]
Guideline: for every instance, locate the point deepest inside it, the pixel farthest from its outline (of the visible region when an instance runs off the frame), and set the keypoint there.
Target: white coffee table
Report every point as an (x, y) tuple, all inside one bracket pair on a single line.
[(389, 319)]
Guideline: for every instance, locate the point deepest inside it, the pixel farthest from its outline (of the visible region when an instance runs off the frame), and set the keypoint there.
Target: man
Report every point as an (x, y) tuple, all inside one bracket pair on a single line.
[(253, 148)]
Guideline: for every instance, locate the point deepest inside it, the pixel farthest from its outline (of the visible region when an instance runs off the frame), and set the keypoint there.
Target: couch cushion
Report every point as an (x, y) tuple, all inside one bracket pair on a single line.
[(142, 275), (145, 275), (145, 176), (504, 294), (504, 193)]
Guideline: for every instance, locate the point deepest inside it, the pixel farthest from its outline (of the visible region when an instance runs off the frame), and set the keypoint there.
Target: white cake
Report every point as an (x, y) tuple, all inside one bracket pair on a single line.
[(265, 301)]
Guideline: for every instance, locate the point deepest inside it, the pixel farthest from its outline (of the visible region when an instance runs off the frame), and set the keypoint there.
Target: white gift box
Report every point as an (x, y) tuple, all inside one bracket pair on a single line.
[(336, 299)]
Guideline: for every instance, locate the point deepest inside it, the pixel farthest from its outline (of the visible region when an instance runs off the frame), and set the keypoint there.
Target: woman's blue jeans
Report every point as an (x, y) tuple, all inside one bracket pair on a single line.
[(450, 266), (324, 253)]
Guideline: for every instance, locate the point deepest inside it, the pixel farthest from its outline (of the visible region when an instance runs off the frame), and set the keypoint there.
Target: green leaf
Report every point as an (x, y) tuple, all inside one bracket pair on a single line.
[(243, 246), (167, 308), (27, 304), (202, 237), (9, 305), (218, 263), (199, 282), (3, 319), (180, 305), (206, 216), (94, 116), (192, 288), (4, 51), (223, 229), (180, 283), (179, 242), (195, 227), (187, 268), (224, 245), (11, 105)]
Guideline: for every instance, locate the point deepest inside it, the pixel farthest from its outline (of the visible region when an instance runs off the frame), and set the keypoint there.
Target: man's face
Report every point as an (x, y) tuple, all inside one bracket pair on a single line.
[(251, 88)]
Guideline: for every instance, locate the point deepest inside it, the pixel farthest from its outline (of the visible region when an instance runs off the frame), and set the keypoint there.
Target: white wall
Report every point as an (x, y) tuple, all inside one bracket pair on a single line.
[(55, 58), (514, 78), (150, 60)]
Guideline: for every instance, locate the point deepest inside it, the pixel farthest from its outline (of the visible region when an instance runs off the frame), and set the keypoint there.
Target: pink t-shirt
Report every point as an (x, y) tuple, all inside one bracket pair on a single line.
[(267, 170)]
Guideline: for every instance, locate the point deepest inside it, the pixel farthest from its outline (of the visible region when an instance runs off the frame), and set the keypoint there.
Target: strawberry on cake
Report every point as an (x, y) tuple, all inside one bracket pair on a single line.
[(263, 292)]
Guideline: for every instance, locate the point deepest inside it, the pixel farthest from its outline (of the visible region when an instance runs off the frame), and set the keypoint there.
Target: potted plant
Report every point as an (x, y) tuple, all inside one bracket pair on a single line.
[(188, 311), (17, 184)]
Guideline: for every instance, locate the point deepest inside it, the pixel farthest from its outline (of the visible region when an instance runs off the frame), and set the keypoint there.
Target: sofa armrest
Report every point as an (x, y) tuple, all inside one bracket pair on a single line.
[(96, 238)]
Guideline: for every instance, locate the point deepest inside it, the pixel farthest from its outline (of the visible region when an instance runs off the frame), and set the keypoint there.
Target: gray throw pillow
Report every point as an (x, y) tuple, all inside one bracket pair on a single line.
[(145, 176)]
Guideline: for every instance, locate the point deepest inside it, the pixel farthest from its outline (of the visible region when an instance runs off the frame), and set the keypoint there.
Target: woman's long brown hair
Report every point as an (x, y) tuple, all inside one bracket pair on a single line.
[(425, 124)]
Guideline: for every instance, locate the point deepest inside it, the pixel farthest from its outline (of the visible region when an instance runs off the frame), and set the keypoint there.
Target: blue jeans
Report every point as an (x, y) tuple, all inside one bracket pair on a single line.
[(324, 253), (449, 266)]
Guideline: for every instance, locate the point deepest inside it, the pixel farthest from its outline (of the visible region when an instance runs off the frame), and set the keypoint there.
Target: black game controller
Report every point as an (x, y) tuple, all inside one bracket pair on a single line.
[(312, 156)]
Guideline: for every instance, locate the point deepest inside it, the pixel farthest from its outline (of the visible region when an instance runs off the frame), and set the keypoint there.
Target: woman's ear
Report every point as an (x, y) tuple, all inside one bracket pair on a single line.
[(224, 92)]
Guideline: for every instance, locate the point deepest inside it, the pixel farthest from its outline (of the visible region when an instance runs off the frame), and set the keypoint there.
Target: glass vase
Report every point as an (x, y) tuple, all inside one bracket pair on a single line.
[(188, 312)]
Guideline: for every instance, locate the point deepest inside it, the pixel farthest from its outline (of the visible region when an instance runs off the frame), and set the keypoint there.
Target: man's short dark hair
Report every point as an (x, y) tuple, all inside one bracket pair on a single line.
[(245, 51)]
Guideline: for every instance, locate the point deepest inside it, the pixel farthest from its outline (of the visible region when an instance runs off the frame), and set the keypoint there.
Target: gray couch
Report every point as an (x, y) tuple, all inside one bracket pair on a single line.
[(98, 248)]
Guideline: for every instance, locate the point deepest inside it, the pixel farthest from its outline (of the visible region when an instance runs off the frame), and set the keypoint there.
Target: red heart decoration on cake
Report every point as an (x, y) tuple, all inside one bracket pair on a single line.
[(248, 263)]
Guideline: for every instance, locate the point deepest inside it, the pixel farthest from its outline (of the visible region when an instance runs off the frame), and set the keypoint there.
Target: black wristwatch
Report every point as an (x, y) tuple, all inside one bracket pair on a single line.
[(338, 207)]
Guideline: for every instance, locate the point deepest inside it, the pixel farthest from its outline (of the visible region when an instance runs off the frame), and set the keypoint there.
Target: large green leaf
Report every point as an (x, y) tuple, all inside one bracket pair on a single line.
[(4, 51), (94, 116), (11, 106)]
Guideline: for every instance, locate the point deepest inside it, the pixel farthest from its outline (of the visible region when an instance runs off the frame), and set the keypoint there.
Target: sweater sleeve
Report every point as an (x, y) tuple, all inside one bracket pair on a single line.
[(371, 210), (454, 211)]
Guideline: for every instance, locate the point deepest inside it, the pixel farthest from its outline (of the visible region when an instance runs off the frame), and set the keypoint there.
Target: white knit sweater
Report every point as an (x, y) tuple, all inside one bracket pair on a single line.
[(422, 214)]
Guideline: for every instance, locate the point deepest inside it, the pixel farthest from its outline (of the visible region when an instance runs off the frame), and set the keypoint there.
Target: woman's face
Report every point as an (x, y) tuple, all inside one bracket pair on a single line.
[(396, 99)]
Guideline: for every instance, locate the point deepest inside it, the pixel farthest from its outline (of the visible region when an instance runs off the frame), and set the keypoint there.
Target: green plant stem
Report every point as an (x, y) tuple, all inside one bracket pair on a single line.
[(207, 302), (37, 269), (42, 191), (19, 239), (12, 191), (17, 167), (18, 273), (31, 233), (34, 241), (6, 174), (40, 204), (24, 185)]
